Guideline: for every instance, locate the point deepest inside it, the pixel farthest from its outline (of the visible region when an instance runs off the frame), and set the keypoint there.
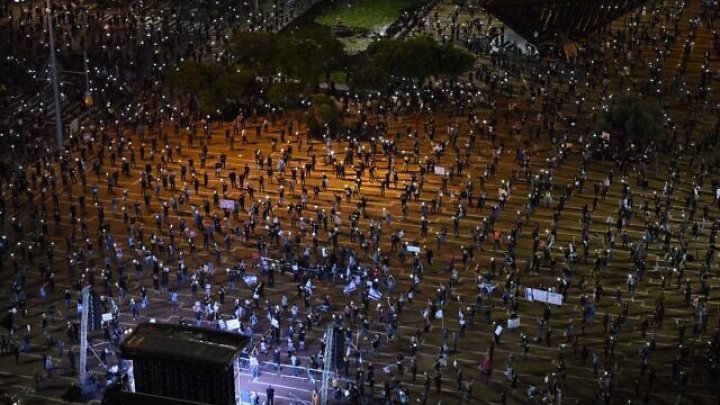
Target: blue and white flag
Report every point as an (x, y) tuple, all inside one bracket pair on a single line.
[(374, 294), (250, 280), (487, 287), (350, 287)]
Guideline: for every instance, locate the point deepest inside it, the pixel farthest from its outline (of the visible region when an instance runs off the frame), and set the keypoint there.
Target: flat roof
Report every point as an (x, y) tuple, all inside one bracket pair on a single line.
[(139, 398), (183, 343)]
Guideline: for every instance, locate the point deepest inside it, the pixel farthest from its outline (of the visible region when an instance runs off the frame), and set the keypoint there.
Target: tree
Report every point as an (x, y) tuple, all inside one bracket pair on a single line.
[(317, 53), (323, 114), (257, 51), (416, 58), (630, 120), (234, 85), (285, 94), (412, 58), (370, 77), (215, 87), (191, 76), (454, 60), (302, 55)]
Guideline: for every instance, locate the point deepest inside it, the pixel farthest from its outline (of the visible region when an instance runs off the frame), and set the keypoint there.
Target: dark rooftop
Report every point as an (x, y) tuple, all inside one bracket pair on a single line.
[(183, 343), (138, 398)]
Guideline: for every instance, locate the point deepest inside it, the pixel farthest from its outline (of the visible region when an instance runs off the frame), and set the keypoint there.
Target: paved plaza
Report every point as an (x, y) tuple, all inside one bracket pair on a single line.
[(632, 239)]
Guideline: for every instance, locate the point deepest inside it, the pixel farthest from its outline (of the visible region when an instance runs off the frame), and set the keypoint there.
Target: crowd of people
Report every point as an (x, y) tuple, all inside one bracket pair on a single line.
[(447, 199), (111, 51)]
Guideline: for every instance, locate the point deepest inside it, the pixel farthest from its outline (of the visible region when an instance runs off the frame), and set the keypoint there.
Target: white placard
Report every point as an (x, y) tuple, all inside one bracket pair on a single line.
[(439, 170), (513, 323), (75, 127), (227, 204), (548, 297), (232, 324), (107, 317), (413, 249), (498, 330)]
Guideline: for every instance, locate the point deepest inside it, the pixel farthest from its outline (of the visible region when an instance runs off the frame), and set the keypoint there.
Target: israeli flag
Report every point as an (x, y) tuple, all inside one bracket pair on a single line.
[(374, 294), (350, 287), (487, 287), (250, 280)]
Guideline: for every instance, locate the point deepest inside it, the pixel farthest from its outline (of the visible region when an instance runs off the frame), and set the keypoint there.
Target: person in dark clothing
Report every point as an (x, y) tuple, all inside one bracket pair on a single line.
[(270, 392), (651, 379), (413, 369), (71, 359), (16, 353)]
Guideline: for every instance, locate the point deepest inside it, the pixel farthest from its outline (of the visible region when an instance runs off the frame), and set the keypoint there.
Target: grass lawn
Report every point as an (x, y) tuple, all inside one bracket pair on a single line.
[(370, 15)]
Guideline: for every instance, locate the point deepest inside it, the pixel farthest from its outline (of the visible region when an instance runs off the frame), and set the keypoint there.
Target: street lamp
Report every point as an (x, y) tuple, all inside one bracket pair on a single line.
[(54, 73)]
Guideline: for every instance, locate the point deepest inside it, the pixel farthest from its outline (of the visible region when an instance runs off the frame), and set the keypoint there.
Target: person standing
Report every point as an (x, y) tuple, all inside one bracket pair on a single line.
[(16, 353), (254, 398), (595, 363), (270, 392), (548, 336), (413, 370), (48, 365), (71, 359)]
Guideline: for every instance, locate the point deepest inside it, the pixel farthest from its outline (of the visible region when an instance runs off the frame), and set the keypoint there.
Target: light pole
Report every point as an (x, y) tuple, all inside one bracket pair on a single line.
[(54, 78)]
